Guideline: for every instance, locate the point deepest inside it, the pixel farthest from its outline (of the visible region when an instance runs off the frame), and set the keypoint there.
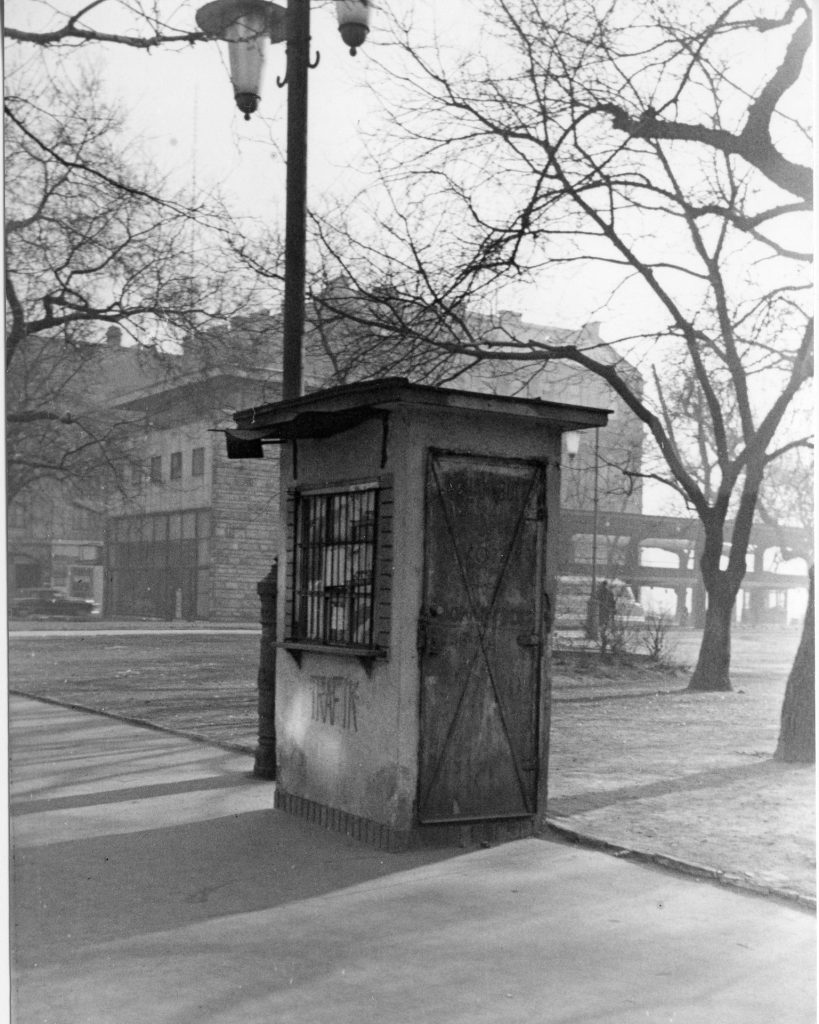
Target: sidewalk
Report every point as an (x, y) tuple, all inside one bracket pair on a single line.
[(152, 882), (635, 761)]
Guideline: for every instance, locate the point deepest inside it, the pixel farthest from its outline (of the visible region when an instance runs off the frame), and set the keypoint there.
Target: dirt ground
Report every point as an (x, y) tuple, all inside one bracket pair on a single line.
[(686, 776), (635, 760)]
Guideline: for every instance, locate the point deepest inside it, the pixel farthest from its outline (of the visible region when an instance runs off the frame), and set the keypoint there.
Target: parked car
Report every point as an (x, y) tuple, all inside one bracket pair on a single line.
[(49, 601), (573, 594)]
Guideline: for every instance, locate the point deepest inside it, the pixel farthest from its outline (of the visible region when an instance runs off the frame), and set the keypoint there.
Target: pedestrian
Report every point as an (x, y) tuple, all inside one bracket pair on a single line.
[(605, 605)]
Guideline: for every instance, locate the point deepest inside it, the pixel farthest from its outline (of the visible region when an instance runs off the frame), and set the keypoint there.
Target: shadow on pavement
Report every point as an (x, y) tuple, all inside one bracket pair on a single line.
[(62, 803), (592, 801), (69, 894)]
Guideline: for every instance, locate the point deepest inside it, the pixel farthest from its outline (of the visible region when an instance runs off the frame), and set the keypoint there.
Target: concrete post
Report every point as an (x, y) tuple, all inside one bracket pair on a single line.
[(265, 762)]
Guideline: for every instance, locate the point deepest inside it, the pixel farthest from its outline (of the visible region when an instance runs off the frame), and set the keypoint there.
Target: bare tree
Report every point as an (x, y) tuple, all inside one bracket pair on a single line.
[(656, 148), (787, 500), (797, 734), (354, 329), (96, 248), (359, 338), (141, 25)]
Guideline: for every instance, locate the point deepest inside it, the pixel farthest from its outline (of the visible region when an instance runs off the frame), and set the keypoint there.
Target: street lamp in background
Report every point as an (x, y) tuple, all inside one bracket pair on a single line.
[(572, 441), (593, 616), (248, 27)]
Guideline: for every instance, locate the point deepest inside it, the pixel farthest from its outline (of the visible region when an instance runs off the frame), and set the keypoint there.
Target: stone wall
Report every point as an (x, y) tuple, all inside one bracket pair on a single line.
[(245, 536)]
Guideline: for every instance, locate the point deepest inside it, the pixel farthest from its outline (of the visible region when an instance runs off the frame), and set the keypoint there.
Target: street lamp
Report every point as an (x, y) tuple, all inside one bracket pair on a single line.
[(571, 440), (353, 22), (248, 26), (593, 616)]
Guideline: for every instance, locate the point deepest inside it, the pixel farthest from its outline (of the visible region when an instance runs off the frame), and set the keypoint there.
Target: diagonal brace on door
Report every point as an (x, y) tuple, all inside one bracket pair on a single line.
[(482, 622)]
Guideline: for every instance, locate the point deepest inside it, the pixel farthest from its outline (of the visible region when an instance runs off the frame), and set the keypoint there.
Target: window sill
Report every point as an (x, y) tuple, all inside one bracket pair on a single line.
[(366, 655)]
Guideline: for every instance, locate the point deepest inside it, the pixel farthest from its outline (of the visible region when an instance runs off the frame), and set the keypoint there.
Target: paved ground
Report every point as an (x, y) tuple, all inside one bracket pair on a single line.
[(634, 761), (152, 882)]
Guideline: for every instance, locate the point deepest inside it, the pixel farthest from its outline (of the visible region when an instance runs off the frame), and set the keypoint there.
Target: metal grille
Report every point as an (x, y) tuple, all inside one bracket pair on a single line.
[(335, 571)]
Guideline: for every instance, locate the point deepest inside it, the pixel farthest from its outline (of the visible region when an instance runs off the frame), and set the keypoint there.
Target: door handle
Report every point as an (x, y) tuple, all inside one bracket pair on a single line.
[(429, 637), (548, 615)]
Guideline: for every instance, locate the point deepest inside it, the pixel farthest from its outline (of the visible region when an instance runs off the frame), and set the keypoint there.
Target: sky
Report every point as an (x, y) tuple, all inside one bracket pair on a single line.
[(181, 110), (181, 107)]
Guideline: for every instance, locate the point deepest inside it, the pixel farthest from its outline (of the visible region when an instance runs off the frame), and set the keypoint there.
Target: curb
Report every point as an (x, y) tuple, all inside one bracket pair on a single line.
[(587, 841), (661, 860), (141, 723)]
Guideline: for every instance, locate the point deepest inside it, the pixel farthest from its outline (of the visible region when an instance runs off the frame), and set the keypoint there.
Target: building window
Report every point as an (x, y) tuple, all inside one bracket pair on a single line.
[(176, 465), (155, 561), (198, 462), (335, 564), (156, 469)]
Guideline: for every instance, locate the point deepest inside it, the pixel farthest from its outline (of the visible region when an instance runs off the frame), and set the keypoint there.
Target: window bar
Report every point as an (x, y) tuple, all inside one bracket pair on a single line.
[(369, 550), (302, 610), (336, 567), (372, 535), (309, 621), (314, 541), (355, 568), (344, 570), (327, 567), (349, 593), (314, 569), (336, 540), (352, 596), (301, 568), (342, 582)]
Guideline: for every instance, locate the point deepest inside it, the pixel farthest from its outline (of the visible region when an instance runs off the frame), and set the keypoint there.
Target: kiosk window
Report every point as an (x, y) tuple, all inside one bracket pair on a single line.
[(334, 578)]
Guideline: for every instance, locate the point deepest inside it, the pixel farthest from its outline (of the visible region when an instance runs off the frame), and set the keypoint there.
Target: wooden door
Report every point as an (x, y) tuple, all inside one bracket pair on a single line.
[(479, 638)]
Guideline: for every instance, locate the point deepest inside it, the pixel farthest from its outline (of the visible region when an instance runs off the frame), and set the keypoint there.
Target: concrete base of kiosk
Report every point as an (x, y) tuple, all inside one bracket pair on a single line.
[(392, 840)]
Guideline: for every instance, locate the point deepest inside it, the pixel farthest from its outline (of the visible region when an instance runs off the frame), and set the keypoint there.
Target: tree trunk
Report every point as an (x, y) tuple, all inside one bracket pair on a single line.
[(797, 734), (714, 661)]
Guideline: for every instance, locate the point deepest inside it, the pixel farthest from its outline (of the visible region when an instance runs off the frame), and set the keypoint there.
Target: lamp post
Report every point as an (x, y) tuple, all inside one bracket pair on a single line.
[(572, 441), (593, 615), (248, 26)]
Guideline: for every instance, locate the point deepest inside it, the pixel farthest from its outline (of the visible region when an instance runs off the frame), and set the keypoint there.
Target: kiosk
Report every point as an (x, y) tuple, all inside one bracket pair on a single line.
[(416, 585)]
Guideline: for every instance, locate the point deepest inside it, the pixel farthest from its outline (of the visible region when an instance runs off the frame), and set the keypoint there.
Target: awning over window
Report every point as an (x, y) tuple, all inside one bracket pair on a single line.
[(248, 442)]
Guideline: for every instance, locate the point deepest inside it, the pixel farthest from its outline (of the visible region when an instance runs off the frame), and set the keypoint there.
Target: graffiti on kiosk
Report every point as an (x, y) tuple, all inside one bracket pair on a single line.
[(335, 701)]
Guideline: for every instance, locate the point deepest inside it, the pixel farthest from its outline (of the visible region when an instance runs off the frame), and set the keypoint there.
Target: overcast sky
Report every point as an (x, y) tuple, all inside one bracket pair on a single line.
[(181, 107)]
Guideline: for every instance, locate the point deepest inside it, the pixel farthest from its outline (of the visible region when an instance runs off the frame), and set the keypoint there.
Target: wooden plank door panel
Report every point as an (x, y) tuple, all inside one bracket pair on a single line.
[(479, 637)]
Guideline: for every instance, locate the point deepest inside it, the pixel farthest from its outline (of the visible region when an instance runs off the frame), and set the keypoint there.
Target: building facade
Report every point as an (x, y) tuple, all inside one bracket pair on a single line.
[(198, 530), (191, 532)]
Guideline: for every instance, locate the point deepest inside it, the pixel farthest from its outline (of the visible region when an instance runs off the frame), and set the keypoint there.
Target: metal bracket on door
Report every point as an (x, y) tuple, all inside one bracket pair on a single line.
[(429, 638)]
